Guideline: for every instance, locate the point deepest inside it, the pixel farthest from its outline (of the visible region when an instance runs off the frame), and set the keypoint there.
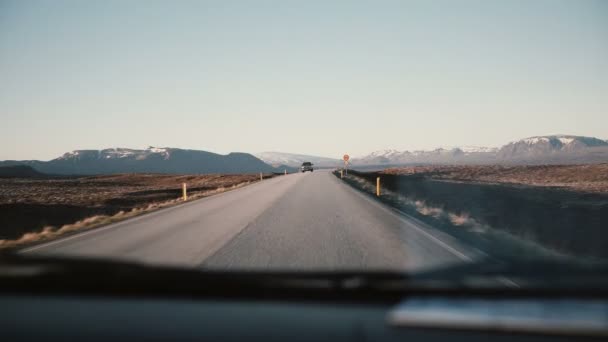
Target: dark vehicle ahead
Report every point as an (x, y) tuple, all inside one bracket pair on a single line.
[(306, 166)]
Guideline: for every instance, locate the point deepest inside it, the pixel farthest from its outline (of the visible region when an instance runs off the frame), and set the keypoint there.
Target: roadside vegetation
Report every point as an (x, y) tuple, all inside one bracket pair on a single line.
[(36, 209), (560, 208), (589, 178)]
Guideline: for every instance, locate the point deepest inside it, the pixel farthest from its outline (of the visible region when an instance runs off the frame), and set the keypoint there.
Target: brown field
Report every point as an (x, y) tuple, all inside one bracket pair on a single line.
[(563, 209), (586, 178), (31, 207)]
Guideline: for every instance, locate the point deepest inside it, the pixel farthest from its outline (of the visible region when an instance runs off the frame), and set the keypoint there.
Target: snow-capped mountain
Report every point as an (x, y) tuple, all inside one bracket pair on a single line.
[(295, 160), (548, 145), (152, 159), (116, 153), (478, 149), (438, 155), (551, 149)]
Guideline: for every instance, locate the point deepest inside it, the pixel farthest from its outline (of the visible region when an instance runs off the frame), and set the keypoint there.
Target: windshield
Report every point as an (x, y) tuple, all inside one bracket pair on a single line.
[(442, 133)]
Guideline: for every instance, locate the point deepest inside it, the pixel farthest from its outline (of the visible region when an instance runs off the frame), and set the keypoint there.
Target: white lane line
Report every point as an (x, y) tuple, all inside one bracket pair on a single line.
[(403, 217), (68, 238), (502, 279), (434, 238), (142, 217), (413, 222), (508, 281), (115, 225)]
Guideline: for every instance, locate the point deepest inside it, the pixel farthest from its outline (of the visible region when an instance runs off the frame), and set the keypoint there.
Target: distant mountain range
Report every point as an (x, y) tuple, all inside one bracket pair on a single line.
[(551, 149), (295, 160), (152, 159), (548, 146)]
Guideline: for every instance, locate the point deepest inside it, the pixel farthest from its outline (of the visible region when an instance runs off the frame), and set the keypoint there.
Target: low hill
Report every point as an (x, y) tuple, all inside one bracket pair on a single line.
[(150, 160), (20, 171)]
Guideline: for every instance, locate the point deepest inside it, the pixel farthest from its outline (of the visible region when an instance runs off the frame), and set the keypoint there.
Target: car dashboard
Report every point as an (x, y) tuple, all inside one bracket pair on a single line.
[(102, 318)]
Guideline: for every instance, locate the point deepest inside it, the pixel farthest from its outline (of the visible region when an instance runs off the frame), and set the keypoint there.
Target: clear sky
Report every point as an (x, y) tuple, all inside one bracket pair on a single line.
[(314, 77)]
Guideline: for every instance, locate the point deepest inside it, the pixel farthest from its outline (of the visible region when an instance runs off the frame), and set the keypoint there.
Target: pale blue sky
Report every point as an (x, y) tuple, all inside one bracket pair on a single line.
[(306, 77)]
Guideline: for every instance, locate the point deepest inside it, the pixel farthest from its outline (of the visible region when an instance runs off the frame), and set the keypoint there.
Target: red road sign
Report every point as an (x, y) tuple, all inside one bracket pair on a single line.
[(346, 157)]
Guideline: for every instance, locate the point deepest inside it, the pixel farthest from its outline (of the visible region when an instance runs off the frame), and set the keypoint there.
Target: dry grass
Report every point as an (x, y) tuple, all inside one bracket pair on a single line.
[(99, 190), (38, 210), (460, 219), (563, 209), (587, 178)]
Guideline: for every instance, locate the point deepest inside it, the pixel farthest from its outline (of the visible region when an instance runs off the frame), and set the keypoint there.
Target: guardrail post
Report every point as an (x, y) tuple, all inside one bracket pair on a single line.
[(261, 177), (378, 186), (184, 191)]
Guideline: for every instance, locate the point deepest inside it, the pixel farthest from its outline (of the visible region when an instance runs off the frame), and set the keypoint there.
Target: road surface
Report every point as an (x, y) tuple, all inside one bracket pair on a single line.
[(310, 221)]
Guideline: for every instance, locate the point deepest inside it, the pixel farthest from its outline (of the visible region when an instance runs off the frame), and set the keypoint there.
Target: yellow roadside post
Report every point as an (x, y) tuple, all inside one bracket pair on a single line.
[(184, 191), (378, 186)]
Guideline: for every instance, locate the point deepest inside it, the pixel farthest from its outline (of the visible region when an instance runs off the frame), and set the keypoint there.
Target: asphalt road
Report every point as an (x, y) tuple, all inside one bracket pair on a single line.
[(309, 221)]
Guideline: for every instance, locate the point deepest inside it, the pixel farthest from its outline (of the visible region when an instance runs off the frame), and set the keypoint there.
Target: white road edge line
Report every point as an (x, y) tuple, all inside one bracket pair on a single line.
[(502, 279), (68, 238), (131, 219), (404, 217), (411, 223), (436, 239)]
